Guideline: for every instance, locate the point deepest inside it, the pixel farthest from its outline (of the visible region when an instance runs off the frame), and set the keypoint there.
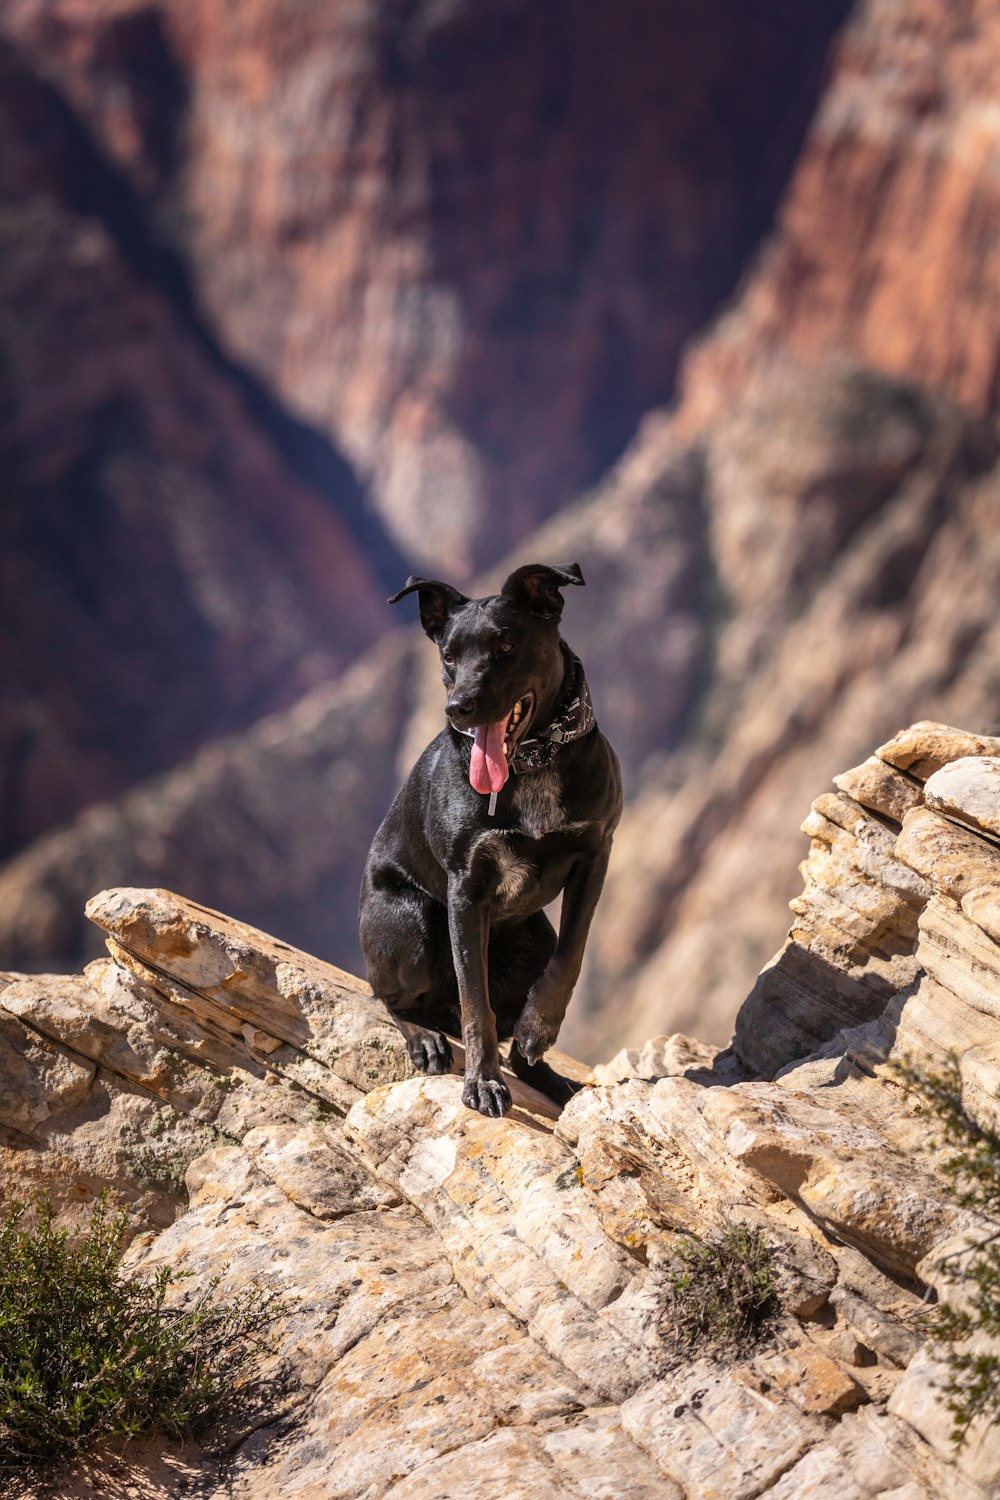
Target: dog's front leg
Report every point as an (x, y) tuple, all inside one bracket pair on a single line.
[(468, 926), (539, 1022)]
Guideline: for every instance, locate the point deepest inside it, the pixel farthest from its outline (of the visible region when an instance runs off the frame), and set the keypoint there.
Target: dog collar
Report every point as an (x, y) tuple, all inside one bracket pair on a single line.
[(575, 720)]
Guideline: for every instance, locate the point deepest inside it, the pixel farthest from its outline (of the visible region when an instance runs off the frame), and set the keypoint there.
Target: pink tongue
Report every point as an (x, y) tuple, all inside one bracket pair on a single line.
[(488, 767)]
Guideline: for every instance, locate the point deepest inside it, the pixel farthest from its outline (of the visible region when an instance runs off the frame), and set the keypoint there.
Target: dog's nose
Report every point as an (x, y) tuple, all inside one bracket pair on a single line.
[(459, 707)]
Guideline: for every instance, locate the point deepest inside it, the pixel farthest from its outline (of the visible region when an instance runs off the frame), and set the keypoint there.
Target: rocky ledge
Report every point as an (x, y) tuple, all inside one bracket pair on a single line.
[(481, 1302)]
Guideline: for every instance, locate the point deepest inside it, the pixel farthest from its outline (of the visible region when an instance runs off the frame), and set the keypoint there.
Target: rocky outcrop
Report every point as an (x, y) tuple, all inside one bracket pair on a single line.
[(482, 1301), (466, 242), (871, 921)]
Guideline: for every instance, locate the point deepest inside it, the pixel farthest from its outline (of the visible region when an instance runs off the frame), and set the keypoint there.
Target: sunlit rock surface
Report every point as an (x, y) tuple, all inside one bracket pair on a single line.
[(482, 1301)]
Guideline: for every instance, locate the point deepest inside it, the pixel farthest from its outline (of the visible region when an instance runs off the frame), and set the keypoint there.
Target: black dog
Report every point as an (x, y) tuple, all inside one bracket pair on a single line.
[(514, 802)]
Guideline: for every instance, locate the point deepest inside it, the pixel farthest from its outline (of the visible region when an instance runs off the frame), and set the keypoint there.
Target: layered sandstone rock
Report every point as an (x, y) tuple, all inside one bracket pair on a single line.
[(871, 921), (482, 1301)]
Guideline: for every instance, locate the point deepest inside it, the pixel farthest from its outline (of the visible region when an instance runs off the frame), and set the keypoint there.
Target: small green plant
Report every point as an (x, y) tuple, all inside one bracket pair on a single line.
[(90, 1353), (720, 1292), (972, 1171)]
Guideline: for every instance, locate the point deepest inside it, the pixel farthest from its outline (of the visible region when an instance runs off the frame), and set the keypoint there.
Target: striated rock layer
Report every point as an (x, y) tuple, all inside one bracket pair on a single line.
[(482, 1301)]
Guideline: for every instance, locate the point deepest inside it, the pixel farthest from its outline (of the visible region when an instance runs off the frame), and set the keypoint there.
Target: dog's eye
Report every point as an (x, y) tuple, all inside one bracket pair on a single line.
[(448, 657), (504, 648)]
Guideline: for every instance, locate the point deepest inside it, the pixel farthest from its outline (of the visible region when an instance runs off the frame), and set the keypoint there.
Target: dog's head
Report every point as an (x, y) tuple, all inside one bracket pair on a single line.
[(501, 659)]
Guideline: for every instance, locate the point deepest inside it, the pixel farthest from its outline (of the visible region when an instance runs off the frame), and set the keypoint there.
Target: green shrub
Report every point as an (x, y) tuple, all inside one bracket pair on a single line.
[(972, 1170), (720, 1293), (90, 1352)]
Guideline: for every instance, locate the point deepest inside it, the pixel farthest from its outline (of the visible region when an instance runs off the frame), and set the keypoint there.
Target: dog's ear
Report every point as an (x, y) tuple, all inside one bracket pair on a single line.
[(437, 601), (537, 586)]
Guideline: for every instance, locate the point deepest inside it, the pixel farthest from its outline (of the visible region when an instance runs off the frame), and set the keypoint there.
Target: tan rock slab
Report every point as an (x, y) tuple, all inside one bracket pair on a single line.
[(717, 1435), (919, 1400), (228, 976), (953, 860), (570, 1459), (895, 1339), (816, 1384), (843, 1173), (968, 789), (880, 787), (982, 906), (315, 1168), (122, 1024), (501, 1196), (660, 1057), (384, 1361), (855, 1462), (850, 947), (283, 991), (39, 1078), (651, 1165), (926, 746), (802, 999), (933, 1024)]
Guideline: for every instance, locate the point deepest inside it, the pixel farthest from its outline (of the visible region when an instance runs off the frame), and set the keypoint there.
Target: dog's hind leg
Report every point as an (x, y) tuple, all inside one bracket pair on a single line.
[(401, 931)]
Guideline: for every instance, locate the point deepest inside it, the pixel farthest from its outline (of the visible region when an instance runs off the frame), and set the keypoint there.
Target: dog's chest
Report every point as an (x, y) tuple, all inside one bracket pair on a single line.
[(519, 874), (538, 802)]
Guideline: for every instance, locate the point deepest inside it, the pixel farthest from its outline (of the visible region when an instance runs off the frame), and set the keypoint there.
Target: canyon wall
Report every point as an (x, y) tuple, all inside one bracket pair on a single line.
[(465, 242), (887, 243), (166, 573)]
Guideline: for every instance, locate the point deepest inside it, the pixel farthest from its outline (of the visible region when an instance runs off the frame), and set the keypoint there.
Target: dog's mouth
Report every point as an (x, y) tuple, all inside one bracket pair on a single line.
[(494, 746)]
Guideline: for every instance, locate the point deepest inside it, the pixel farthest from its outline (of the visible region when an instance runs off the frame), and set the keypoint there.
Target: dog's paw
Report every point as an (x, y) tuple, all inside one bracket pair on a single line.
[(430, 1051), (490, 1096), (534, 1037)]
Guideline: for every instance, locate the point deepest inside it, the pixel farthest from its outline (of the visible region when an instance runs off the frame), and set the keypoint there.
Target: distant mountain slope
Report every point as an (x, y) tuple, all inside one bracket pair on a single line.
[(887, 243), (165, 572), (465, 241)]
